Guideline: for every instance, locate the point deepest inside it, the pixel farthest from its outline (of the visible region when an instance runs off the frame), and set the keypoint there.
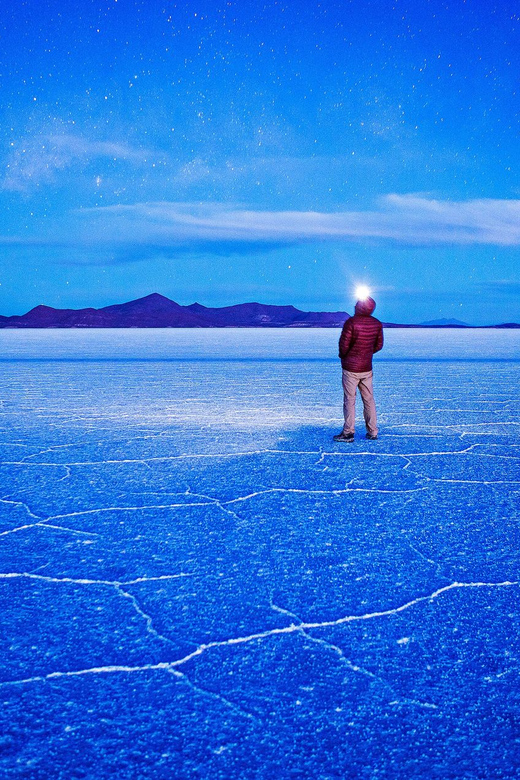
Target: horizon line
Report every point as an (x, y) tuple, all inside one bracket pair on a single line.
[(440, 323)]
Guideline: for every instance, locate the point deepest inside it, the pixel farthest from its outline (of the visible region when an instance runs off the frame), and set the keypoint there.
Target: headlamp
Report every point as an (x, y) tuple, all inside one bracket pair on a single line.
[(362, 292)]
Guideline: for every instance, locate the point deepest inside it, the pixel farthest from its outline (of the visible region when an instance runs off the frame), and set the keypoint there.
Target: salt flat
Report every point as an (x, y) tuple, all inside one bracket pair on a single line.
[(195, 581)]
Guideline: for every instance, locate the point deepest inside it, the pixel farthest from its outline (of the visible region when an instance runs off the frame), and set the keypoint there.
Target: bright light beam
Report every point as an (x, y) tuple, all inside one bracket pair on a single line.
[(362, 292)]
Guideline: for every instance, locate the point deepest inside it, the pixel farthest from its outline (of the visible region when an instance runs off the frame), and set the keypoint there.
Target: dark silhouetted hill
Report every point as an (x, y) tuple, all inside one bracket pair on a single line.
[(157, 311)]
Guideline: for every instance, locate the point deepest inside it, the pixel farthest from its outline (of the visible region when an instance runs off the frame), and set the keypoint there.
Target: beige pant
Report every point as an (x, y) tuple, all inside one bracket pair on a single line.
[(363, 381)]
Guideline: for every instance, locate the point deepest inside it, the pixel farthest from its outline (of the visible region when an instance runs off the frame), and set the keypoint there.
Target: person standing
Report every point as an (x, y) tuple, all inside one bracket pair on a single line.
[(361, 337)]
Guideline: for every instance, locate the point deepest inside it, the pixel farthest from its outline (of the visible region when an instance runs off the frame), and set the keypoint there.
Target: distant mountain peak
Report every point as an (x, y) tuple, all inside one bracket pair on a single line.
[(445, 323), (155, 296)]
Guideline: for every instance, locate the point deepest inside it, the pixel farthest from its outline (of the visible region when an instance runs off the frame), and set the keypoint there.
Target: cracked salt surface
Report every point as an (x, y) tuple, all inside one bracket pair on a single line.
[(195, 581)]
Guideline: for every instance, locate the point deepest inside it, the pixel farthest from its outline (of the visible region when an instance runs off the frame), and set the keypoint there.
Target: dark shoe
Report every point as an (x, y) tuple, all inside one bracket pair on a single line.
[(370, 437), (344, 437)]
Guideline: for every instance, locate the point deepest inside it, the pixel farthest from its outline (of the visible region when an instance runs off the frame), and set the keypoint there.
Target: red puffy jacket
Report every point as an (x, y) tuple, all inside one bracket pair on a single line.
[(362, 335)]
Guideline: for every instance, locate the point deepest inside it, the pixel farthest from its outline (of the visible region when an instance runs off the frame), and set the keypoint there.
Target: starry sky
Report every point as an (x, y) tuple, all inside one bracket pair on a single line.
[(274, 151)]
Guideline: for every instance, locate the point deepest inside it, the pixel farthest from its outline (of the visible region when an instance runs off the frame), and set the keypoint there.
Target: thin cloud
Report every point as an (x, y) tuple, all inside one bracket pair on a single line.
[(505, 286), (38, 160), (405, 219), (77, 146)]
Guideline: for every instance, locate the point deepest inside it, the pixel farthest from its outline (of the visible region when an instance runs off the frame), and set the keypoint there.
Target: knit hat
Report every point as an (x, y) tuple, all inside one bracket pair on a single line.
[(365, 307)]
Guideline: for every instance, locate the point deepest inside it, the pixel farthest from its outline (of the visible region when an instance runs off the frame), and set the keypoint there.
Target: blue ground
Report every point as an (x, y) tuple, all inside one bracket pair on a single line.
[(195, 582)]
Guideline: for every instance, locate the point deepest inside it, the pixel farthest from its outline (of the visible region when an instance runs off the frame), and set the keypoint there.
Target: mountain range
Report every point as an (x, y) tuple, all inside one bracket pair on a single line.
[(157, 311)]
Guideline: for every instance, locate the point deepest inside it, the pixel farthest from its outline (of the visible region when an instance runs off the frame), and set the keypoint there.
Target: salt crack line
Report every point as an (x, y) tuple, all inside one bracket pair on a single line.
[(414, 702), (41, 522), (159, 458), (422, 555), (282, 611), (215, 502), (361, 670), (22, 528), (247, 453), (45, 524), (240, 454), (99, 510), (213, 695), (47, 450), (147, 618), (433, 453), (483, 425), (301, 628), (119, 587), (343, 658), (84, 581), (337, 492), (69, 530), (473, 481), (22, 504)]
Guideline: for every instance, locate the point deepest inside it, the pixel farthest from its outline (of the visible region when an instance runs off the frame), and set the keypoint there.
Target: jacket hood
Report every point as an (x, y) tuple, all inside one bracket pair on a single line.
[(365, 307)]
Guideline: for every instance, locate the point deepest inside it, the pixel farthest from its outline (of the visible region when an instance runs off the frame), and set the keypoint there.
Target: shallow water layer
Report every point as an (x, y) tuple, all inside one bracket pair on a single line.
[(195, 581)]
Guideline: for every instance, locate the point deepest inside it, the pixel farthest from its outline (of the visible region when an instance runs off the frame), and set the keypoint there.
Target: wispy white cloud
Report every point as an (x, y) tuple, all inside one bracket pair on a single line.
[(504, 286), (37, 160), (405, 219), (81, 147)]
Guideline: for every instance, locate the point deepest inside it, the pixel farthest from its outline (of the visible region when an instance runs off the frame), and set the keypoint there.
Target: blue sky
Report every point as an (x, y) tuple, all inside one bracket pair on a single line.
[(273, 151)]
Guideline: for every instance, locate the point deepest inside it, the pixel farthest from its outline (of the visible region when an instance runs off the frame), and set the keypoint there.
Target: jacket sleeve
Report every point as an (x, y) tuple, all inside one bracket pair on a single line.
[(379, 341), (345, 339)]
